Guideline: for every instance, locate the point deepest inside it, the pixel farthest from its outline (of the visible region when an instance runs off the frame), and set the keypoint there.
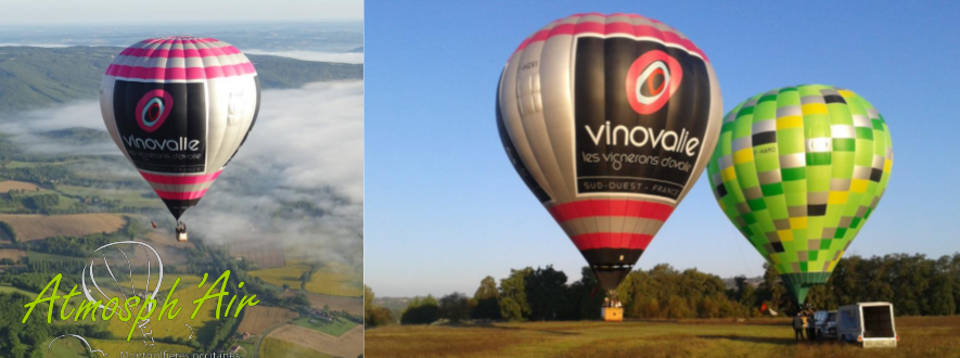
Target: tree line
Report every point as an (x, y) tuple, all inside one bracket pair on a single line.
[(915, 284)]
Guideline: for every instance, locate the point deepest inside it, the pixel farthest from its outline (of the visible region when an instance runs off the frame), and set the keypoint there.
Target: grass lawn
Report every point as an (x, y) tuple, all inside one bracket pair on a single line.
[(920, 337)]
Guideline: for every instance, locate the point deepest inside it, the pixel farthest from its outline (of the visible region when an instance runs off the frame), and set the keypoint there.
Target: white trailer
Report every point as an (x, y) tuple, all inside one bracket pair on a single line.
[(869, 324)]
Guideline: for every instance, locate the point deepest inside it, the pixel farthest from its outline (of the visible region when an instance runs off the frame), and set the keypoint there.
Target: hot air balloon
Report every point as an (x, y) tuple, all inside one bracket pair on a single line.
[(609, 119), (179, 108), (798, 170)]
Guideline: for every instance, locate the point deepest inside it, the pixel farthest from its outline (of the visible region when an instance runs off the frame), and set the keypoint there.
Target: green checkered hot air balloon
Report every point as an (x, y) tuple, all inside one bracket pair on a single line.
[(799, 170)]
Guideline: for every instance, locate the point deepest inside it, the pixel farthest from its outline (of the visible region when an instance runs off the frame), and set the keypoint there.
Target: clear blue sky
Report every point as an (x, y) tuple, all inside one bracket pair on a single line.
[(444, 208)]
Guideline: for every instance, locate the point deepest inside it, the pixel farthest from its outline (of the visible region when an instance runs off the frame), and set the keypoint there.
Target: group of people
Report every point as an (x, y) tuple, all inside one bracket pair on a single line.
[(804, 325)]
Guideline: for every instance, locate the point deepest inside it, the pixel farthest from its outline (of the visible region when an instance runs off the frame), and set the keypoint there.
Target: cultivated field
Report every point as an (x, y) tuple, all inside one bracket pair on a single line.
[(276, 348), (328, 279), (257, 319), (920, 337), (352, 305), (346, 345), (12, 254), (33, 227), (7, 185)]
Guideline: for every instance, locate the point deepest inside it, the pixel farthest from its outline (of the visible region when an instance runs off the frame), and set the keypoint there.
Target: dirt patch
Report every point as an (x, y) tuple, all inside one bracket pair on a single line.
[(260, 318), (13, 254), (7, 185), (34, 227), (350, 344)]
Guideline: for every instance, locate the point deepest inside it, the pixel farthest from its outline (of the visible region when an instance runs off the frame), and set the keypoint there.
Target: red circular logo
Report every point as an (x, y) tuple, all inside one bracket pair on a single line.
[(153, 109), (651, 81)]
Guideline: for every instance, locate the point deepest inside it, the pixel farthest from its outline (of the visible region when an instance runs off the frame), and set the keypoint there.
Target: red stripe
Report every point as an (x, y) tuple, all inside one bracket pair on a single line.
[(180, 179), (612, 240), (593, 27), (181, 195), (180, 73), (611, 207), (189, 52)]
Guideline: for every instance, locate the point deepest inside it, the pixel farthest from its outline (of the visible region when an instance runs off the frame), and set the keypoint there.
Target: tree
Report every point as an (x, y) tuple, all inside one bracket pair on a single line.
[(487, 300), (513, 295), (454, 307), (546, 293), (585, 297), (421, 310), (373, 315)]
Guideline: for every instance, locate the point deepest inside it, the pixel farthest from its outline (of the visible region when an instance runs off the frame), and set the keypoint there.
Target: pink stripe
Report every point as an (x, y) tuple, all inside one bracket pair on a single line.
[(181, 195), (180, 73), (593, 27), (191, 52), (180, 179)]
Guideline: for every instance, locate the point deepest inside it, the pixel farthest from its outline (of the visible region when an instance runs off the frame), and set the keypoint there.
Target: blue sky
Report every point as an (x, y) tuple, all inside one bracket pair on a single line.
[(444, 208)]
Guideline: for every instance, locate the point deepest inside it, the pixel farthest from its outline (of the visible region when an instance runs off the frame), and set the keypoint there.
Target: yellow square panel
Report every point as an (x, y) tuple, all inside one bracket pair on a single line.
[(729, 174), (785, 235), (744, 155), (789, 122), (837, 197), (858, 185), (814, 108), (798, 223)]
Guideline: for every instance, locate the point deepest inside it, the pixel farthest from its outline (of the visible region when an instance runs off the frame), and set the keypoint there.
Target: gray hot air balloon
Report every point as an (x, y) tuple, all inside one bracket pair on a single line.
[(609, 119)]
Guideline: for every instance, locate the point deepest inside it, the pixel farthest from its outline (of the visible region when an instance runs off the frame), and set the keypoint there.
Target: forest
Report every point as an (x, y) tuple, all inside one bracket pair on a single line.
[(915, 284)]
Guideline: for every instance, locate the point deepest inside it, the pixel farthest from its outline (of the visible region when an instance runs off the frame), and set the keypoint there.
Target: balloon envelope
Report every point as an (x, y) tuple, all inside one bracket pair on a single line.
[(799, 170), (179, 108), (609, 119)]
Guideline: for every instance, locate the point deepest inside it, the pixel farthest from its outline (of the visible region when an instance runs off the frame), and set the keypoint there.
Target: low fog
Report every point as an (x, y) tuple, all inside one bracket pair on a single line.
[(306, 145)]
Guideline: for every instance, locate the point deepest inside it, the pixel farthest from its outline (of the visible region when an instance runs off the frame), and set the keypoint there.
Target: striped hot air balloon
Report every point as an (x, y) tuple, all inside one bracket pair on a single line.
[(799, 170), (609, 119), (179, 108)]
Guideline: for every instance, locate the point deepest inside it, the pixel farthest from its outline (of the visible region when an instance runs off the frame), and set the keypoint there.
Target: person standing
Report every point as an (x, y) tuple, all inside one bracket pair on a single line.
[(811, 325), (798, 323)]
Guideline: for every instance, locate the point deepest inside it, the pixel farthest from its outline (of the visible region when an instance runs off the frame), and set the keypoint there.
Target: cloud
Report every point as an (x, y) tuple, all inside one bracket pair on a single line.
[(296, 182)]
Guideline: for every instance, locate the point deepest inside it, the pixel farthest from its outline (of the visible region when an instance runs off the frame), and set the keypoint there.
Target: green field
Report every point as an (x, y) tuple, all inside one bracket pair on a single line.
[(123, 197), (920, 337), (9, 289), (327, 280), (338, 326), (70, 347), (272, 347)]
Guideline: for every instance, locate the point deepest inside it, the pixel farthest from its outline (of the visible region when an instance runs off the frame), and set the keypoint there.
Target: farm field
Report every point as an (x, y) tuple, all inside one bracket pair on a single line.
[(349, 344), (258, 319), (352, 305), (70, 347), (10, 289), (7, 185), (327, 280), (920, 337), (272, 347), (337, 327), (33, 227)]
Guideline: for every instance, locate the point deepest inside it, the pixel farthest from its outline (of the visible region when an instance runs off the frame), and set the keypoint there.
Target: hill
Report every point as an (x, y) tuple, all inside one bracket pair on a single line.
[(32, 77)]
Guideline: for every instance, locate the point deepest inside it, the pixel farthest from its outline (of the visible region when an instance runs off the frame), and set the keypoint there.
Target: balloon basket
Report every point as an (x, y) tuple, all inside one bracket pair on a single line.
[(612, 314)]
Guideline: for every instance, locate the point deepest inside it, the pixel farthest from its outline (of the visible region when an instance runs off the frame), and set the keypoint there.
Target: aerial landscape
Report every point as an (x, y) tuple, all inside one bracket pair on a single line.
[(286, 229)]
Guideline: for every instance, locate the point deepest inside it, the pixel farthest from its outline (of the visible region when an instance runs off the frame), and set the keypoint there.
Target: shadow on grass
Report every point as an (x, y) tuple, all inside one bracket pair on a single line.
[(768, 340)]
